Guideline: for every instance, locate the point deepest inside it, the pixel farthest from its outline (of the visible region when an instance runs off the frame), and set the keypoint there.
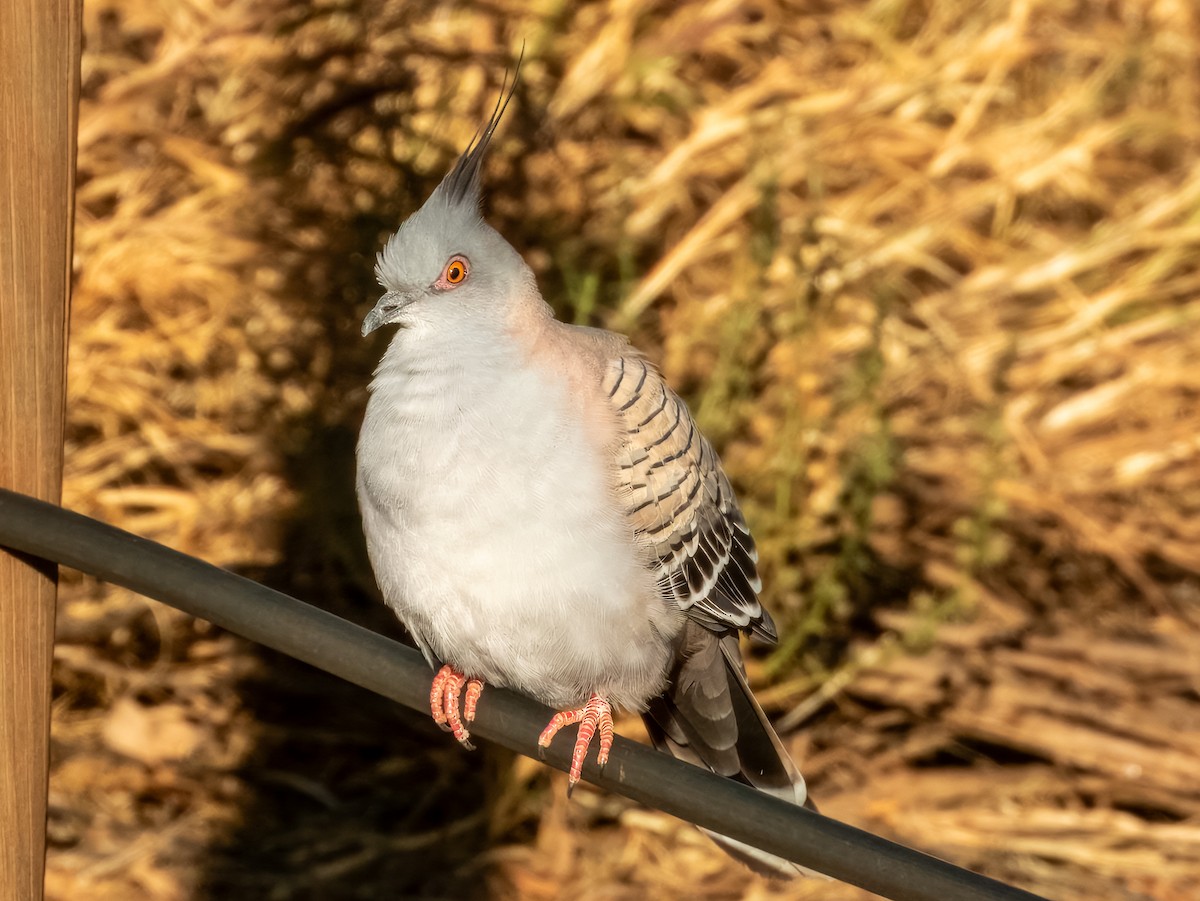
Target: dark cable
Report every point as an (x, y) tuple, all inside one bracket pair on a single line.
[(398, 672)]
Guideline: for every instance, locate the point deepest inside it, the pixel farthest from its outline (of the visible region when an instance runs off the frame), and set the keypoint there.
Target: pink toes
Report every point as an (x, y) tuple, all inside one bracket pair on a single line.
[(594, 716), (444, 702), (447, 691)]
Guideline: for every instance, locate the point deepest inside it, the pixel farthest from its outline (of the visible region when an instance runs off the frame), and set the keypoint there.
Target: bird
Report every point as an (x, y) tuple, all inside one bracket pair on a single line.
[(542, 512)]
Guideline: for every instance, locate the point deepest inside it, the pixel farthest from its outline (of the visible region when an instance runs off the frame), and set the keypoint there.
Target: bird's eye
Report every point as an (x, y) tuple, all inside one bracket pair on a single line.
[(455, 271)]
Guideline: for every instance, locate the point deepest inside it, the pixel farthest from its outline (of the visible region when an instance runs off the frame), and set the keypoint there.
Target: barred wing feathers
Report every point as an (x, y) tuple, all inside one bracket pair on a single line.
[(681, 504)]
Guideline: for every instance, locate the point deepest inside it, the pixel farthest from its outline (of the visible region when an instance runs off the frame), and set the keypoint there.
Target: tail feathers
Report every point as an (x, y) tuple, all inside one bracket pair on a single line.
[(709, 717)]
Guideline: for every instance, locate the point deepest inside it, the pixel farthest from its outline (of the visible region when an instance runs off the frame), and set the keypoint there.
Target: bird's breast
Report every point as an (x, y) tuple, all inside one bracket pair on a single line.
[(490, 516)]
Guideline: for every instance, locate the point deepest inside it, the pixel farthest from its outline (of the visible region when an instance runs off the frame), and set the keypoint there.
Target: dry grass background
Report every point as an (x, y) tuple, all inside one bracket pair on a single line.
[(927, 272)]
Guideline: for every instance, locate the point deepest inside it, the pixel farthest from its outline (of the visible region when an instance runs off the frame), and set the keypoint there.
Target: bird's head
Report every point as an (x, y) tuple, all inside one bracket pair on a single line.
[(445, 267)]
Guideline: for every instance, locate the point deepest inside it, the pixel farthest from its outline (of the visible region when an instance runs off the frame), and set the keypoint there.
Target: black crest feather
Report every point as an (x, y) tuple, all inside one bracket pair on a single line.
[(462, 185)]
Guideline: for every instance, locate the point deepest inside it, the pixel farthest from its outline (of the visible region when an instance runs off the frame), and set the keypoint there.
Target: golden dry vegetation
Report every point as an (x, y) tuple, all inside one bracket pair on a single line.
[(928, 274)]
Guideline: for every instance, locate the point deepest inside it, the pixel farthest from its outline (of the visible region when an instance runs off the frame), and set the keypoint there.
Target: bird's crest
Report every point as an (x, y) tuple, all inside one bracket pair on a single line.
[(462, 186), (451, 210)]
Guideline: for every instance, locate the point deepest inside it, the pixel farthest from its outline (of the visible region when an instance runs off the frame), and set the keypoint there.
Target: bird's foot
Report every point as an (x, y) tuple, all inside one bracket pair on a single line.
[(444, 694), (595, 715)]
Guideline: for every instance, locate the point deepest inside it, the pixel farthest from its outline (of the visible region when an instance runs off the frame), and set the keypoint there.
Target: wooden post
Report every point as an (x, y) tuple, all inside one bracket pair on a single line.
[(39, 100)]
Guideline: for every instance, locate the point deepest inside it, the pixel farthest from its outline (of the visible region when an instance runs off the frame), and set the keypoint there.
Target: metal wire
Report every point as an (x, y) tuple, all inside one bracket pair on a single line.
[(390, 669)]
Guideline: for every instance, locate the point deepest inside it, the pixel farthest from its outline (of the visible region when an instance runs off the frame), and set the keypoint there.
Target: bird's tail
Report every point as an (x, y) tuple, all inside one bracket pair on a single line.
[(709, 717)]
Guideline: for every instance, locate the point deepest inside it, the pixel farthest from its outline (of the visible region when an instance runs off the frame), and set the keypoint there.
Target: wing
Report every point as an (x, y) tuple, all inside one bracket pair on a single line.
[(681, 504)]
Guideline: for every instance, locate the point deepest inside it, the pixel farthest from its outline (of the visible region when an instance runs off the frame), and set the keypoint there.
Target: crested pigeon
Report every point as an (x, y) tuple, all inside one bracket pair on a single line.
[(542, 512)]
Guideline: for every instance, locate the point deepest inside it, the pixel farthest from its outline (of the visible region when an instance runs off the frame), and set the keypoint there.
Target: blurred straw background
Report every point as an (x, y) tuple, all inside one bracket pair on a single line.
[(929, 275)]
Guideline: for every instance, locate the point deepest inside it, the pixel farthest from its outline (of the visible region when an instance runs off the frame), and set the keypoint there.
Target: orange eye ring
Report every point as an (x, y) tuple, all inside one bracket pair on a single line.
[(456, 271)]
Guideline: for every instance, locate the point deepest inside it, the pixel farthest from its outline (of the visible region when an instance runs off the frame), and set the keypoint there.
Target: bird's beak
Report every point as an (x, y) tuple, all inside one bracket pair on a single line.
[(383, 312)]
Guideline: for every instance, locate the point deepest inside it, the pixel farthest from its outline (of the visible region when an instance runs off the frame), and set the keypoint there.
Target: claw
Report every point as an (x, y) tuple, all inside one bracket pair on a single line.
[(595, 715), (443, 702)]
